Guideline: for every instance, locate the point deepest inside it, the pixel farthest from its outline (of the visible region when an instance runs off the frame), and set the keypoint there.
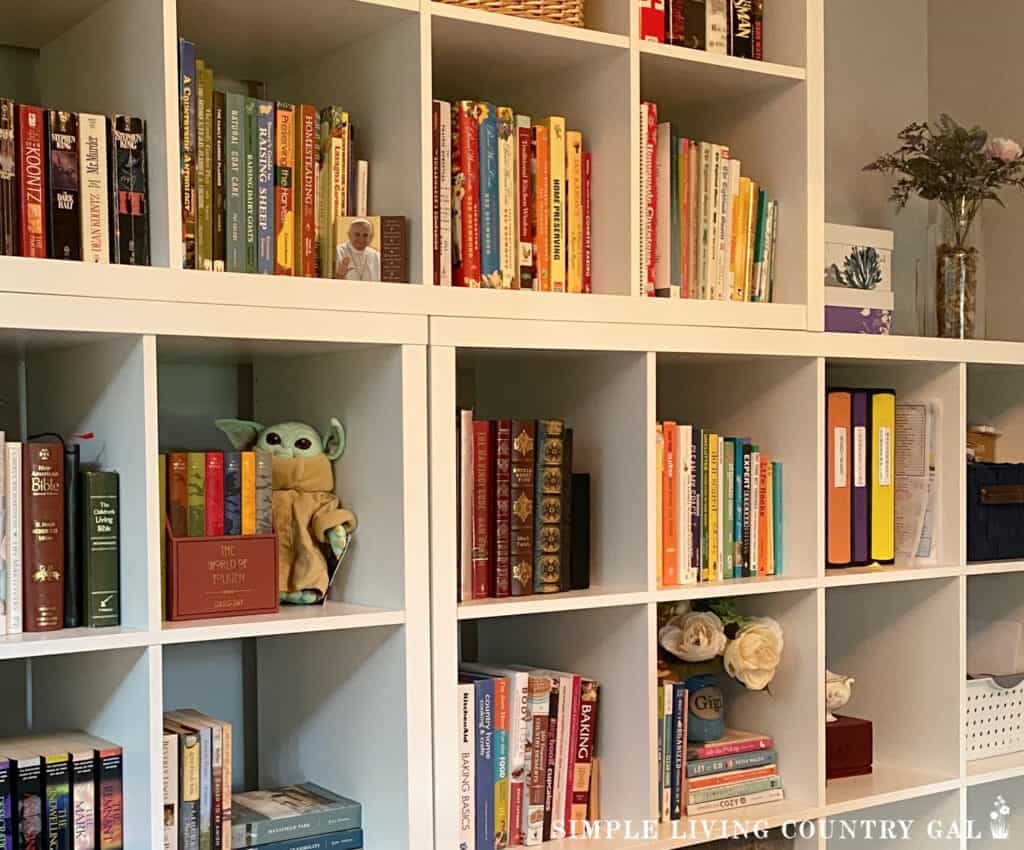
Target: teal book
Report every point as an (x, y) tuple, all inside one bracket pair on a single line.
[(349, 839), (196, 494), (777, 515), (728, 486), (727, 764), (101, 547), (287, 814), (234, 183), (490, 255), (251, 170)]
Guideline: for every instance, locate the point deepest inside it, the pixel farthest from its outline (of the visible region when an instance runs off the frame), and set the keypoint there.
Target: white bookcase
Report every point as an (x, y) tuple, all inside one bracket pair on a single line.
[(359, 695)]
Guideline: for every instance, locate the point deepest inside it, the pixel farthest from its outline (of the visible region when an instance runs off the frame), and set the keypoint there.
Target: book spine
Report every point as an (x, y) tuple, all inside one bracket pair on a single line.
[(860, 512), (659, 501), (467, 765), (188, 809), (652, 20), (547, 567), (666, 734), (445, 193), (218, 181), (753, 786), (466, 193), (588, 219), (13, 538), (670, 534), (232, 493), (101, 548), (519, 724), (714, 508), (565, 529), (579, 562), (177, 493), (394, 249), (264, 492), (187, 123), (8, 179), (542, 207), (730, 748), (110, 782), (524, 139), (735, 802), (747, 483), (508, 194), (490, 259), (524, 433), (557, 201), (717, 27), (4, 555), (217, 786), (483, 507), (204, 151), (226, 799), (696, 490), (551, 760), (465, 518), (732, 777), (758, 15), (265, 232), (129, 212), (737, 509), (730, 565), (882, 416), (170, 788), (675, 27), (307, 130), (214, 488), (574, 210), (650, 198), (502, 507), (646, 153), (533, 814), (756, 568), (284, 189), (485, 820), (234, 190), (744, 761), (662, 230), (583, 754), (679, 710), (248, 490), (31, 182), (57, 790), (64, 235), (83, 801), (333, 143), (435, 188), (205, 788), (30, 805), (43, 536), (196, 494), (73, 538), (250, 164), (501, 762), (741, 30), (568, 722), (92, 164)]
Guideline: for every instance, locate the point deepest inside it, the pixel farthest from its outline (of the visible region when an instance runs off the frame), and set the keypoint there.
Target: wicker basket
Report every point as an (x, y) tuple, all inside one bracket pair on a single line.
[(554, 11)]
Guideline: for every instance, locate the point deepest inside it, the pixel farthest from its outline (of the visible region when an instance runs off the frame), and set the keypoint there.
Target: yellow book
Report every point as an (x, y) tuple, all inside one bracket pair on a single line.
[(714, 567), (574, 196), (556, 200), (883, 515), (284, 188), (659, 451), (739, 239), (248, 493), (750, 202)]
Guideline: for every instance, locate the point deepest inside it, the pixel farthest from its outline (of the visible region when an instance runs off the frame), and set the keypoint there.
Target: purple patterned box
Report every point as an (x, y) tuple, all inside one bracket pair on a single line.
[(857, 320)]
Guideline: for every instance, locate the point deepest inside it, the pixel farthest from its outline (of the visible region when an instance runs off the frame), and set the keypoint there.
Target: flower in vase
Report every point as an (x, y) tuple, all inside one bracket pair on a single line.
[(693, 636), (1005, 149), (753, 656)]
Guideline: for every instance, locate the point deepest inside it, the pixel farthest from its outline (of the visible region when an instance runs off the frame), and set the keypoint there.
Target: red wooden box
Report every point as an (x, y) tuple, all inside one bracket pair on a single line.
[(849, 747), (221, 576)]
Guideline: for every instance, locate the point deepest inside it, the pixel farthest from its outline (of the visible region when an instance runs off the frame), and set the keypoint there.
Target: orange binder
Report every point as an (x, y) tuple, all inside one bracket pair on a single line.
[(839, 484)]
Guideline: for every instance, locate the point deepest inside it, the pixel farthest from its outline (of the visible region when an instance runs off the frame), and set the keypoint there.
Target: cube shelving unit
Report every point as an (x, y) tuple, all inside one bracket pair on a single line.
[(359, 694)]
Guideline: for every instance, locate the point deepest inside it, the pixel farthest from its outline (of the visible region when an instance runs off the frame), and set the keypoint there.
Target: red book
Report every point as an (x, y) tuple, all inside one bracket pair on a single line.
[(732, 743), (588, 239), (31, 182), (652, 20), (214, 494), (43, 535), (177, 493), (466, 193), (650, 209), (483, 509), (583, 752), (573, 717), (524, 138), (502, 506), (308, 154)]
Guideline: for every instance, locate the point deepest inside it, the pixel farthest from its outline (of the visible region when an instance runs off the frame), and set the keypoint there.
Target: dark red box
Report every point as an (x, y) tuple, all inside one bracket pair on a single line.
[(225, 576), (849, 747)]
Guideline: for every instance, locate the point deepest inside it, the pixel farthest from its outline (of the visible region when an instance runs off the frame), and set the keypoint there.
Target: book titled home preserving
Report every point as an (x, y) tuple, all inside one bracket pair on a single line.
[(290, 812)]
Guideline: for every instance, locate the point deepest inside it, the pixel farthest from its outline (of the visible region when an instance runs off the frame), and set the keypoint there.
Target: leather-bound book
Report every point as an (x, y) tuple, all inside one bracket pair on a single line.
[(232, 493), (73, 612), (547, 564), (43, 535), (177, 493), (213, 516), (524, 437), (502, 506), (566, 512)]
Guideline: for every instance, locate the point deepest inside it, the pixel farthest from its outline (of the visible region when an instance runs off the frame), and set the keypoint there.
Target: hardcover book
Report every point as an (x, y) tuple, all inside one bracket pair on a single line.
[(218, 180), (5, 603), (565, 532), (214, 487), (43, 536), (579, 561), (8, 179), (73, 554), (490, 262), (334, 144), (547, 568), (248, 493), (92, 164), (177, 493), (307, 150), (188, 783), (265, 232), (394, 249), (170, 789), (292, 812), (196, 494), (234, 189), (101, 549), (204, 155), (732, 743), (542, 206), (533, 814), (435, 187), (64, 235), (347, 839), (483, 509), (250, 159), (652, 20), (524, 434), (524, 176), (187, 120), (445, 193), (284, 189), (31, 182), (467, 764), (675, 26), (466, 196), (508, 194), (129, 216), (264, 480), (232, 493), (741, 28), (502, 454)]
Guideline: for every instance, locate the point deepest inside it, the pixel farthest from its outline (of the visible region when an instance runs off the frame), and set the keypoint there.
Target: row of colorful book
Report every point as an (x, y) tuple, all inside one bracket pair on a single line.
[(73, 185), (738, 770), (61, 790), (60, 556), (210, 494), (528, 768), (512, 202), (708, 232), (719, 503), (726, 27), (202, 813), (524, 516)]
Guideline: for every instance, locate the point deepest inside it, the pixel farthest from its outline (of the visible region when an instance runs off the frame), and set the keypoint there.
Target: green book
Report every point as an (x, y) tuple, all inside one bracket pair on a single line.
[(759, 289), (729, 470), (234, 164), (250, 167), (101, 547), (196, 494)]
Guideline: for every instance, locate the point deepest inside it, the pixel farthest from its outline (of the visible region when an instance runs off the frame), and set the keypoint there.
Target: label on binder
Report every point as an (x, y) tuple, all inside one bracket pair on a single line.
[(884, 449), (860, 456), (840, 457)]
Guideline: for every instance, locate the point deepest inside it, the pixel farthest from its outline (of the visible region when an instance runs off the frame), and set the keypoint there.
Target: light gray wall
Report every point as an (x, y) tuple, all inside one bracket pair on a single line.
[(876, 82)]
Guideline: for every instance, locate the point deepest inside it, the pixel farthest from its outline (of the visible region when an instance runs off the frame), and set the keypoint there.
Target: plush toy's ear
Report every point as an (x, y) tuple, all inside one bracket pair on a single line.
[(334, 440), (240, 432)]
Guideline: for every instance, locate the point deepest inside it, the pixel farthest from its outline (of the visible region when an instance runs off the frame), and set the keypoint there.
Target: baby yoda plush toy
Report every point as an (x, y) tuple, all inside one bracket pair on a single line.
[(307, 514)]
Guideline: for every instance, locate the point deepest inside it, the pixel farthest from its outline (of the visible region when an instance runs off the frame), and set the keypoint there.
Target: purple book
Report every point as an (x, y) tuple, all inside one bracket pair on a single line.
[(859, 417)]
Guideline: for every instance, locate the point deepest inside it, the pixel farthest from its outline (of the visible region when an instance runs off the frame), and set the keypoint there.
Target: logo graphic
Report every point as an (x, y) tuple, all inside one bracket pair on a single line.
[(999, 819)]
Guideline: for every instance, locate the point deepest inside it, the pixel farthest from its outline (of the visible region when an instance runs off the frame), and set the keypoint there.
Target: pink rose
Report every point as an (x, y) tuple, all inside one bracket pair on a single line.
[(1005, 149)]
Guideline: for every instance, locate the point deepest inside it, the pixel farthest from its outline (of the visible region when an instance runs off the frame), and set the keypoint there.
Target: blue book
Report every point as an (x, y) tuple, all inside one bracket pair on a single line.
[(189, 138), (232, 492), (777, 515), (350, 839), (696, 464), (265, 232), (727, 764), (490, 260), (675, 255), (483, 686), (679, 707)]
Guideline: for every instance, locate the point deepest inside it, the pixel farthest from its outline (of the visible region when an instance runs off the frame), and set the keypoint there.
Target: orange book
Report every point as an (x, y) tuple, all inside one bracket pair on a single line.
[(669, 506), (838, 472), (248, 492), (762, 516), (542, 209), (731, 777)]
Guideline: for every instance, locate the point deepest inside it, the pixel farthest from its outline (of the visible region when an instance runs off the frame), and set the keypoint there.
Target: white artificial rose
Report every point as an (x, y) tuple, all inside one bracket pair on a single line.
[(694, 636), (754, 655)]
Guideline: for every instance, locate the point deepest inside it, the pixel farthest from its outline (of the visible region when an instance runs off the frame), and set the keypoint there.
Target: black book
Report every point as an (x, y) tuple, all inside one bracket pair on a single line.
[(758, 48), (741, 28), (27, 799), (72, 538), (579, 534), (8, 180), (129, 195), (219, 180), (695, 24), (64, 195), (57, 790), (7, 824)]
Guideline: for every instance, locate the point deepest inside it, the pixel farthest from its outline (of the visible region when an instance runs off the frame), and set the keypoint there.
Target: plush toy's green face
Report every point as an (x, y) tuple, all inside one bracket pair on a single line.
[(285, 439)]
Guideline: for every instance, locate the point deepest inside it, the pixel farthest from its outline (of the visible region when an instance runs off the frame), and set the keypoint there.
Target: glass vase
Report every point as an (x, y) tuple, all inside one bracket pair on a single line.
[(957, 260)]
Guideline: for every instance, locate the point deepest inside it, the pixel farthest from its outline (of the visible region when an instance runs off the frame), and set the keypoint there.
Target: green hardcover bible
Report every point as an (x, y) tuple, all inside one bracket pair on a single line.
[(196, 494), (101, 548)]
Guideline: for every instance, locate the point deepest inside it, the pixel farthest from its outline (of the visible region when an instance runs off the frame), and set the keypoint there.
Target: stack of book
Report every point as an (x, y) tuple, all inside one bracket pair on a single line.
[(524, 516), (295, 817), (512, 205), (707, 231), (719, 500), (738, 770), (73, 185), (726, 27), (527, 765), (62, 790), (60, 524)]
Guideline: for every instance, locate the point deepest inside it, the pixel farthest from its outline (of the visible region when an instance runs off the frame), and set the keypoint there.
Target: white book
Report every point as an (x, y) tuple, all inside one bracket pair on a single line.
[(508, 242), (663, 215), (755, 501), (92, 165), (716, 18), (705, 188), (362, 187), (724, 292), (465, 505), (714, 219), (540, 707), (170, 783), (740, 802), (445, 193), (12, 487), (467, 766), (562, 750), (693, 218)]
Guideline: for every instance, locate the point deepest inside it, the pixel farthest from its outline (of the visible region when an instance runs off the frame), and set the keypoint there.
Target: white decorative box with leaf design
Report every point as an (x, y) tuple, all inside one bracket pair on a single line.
[(858, 258)]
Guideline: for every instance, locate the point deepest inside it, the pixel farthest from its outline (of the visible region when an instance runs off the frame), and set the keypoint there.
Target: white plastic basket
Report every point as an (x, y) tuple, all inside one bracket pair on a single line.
[(994, 717)]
